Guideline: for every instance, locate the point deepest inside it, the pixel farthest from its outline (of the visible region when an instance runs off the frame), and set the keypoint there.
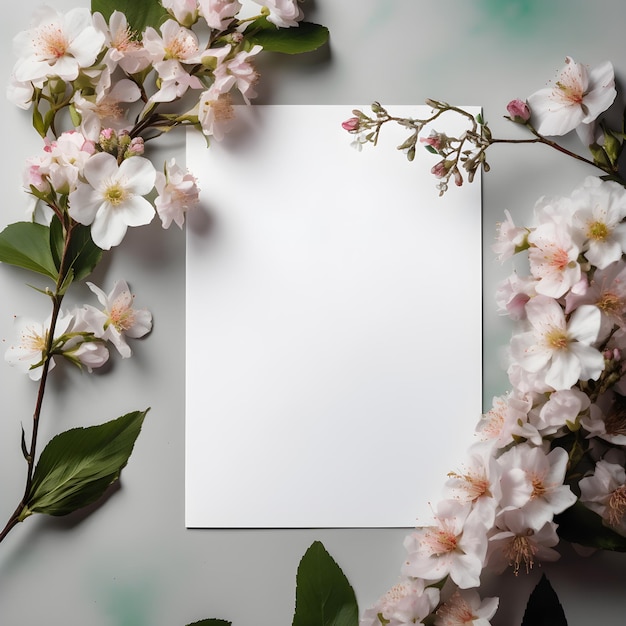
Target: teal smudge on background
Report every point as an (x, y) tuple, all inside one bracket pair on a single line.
[(517, 17), (129, 605)]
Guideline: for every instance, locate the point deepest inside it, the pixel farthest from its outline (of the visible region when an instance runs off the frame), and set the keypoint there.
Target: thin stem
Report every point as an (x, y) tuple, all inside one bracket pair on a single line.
[(57, 297)]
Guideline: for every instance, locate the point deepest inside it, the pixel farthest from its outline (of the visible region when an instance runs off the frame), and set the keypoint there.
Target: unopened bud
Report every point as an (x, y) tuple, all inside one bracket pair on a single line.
[(519, 111), (351, 125)]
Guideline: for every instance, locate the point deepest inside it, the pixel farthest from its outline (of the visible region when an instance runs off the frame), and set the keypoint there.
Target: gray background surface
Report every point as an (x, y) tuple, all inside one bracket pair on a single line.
[(131, 562)]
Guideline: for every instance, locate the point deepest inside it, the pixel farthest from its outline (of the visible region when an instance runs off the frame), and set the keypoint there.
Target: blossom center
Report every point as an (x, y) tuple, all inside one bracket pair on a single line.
[(51, 42), (440, 540), (610, 304), (521, 551), (456, 611), (475, 485), (115, 194), (124, 41), (180, 48), (598, 231), (121, 316), (559, 259), (617, 506), (539, 489), (33, 340), (557, 339)]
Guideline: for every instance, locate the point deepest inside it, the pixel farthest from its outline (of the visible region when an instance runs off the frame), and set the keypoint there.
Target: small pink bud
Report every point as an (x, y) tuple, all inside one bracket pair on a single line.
[(351, 125), (519, 111), (440, 170)]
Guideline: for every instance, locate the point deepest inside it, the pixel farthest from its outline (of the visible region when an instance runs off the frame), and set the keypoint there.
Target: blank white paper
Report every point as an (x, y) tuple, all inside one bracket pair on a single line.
[(333, 323)]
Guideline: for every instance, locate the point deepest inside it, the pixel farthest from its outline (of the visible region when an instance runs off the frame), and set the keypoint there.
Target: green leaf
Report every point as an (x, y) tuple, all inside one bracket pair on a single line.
[(139, 13), (211, 622), (578, 524), (82, 256), (77, 466), (544, 608), (27, 245), (324, 596), (303, 38)]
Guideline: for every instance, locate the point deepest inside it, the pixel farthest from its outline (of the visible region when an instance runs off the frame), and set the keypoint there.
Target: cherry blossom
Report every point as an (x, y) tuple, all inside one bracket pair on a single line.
[(121, 47), (577, 97), (118, 319), (553, 257), (513, 543), (282, 13), (56, 45), (178, 192), (219, 14), (561, 350), (533, 482), (407, 602), (112, 198), (185, 12), (600, 214), (455, 546), (465, 608), (604, 492)]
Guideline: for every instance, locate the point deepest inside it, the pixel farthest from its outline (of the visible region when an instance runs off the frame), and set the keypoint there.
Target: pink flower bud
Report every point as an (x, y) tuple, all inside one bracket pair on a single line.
[(519, 111), (351, 125), (440, 170)]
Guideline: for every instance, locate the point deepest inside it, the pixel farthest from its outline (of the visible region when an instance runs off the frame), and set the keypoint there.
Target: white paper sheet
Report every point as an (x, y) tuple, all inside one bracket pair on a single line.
[(333, 326)]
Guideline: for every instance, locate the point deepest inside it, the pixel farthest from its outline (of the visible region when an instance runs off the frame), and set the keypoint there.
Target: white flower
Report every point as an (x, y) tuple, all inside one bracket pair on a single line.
[(185, 12), (600, 218), (174, 42), (510, 238), (561, 350), (219, 13), (240, 72), (283, 13), (553, 258), (215, 112), (578, 97), (104, 109), (178, 192), (112, 198), (454, 546), (56, 45), (122, 48), (605, 493), (561, 407), (29, 353), (533, 483), (465, 608), (408, 603), (514, 544), (118, 319)]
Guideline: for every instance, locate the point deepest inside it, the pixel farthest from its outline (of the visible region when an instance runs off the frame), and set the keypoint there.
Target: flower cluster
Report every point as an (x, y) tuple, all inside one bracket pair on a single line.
[(99, 85), (81, 335), (113, 82), (574, 102), (552, 449)]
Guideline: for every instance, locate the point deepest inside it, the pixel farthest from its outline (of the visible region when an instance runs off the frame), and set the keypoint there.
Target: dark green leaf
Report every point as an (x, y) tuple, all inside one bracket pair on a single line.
[(27, 245), (303, 38), (139, 13), (544, 608), (83, 252), (77, 466), (578, 524), (82, 255), (211, 622), (324, 596)]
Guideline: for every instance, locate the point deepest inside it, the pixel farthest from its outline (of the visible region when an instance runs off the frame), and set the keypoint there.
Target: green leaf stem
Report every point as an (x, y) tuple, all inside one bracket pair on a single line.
[(303, 38), (77, 466), (324, 596)]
